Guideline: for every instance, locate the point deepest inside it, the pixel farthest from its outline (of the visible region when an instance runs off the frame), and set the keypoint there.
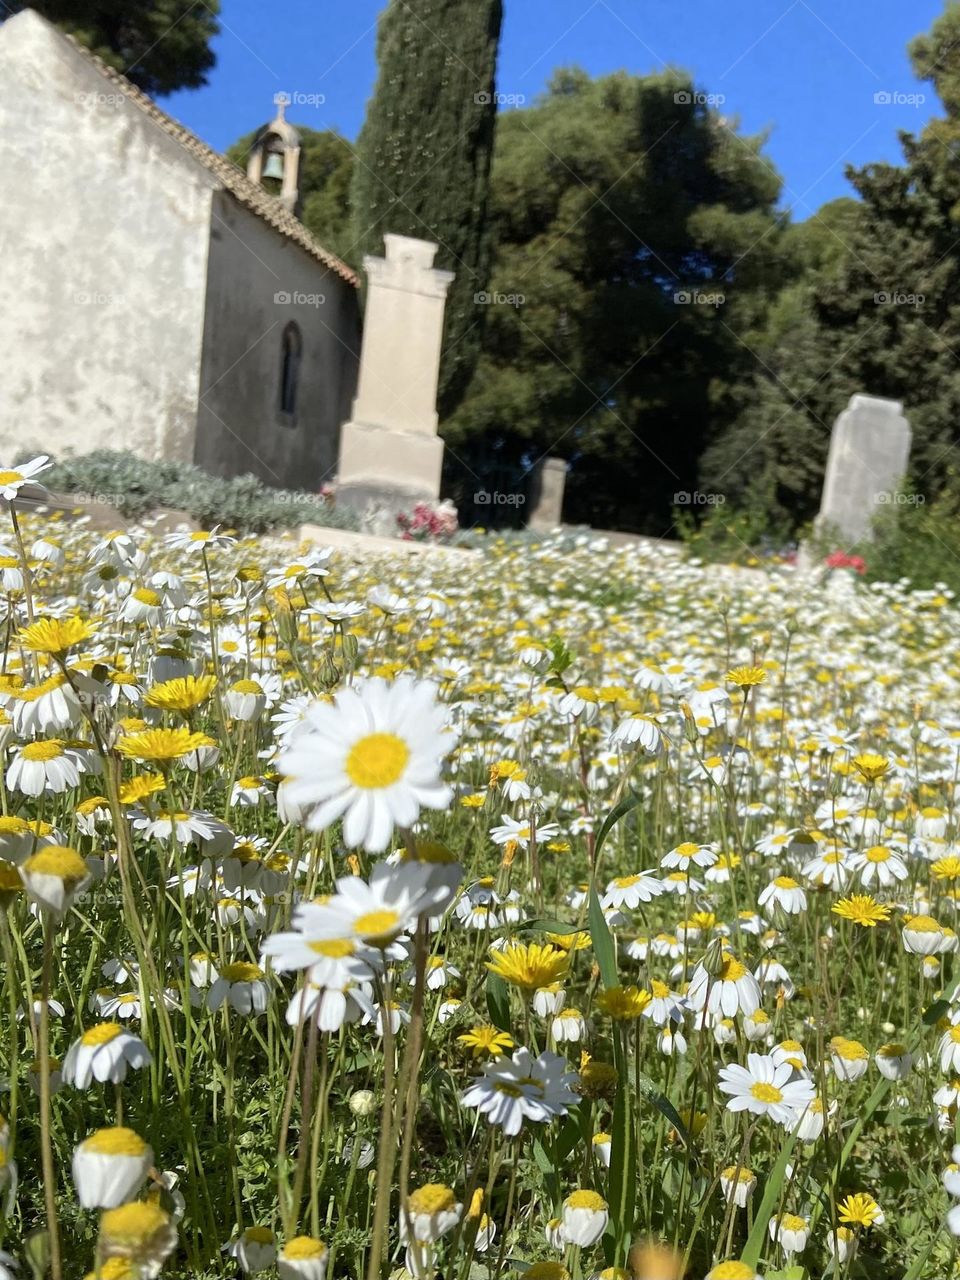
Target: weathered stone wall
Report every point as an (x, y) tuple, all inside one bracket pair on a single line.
[(258, 283), (104, 230)]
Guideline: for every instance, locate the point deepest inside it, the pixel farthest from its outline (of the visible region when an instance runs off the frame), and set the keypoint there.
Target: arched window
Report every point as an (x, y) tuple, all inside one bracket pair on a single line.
[(290, 370)]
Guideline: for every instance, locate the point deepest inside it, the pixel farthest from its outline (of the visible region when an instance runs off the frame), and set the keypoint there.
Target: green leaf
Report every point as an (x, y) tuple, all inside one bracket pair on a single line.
[(549, 926), (919, 1264), (621, 1193), (613, 817), (498, 1002), (663, 1104), (568, 1137), (544, 1163), (936, 1011), (36, 1249), (602, 941), (560, 655), (771, 1196)]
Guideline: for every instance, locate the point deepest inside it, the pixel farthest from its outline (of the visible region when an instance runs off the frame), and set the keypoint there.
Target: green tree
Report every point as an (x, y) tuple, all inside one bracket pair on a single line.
[(873, 308), (424, 154), (161, 45), (326, 165), (637, 235)]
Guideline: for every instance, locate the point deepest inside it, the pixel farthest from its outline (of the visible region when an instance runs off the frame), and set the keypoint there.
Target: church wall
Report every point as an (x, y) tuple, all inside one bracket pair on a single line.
[(104, 230), (258, 284)]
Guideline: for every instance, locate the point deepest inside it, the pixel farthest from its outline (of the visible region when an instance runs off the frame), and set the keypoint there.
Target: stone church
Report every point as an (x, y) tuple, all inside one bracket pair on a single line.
[(153, 297)]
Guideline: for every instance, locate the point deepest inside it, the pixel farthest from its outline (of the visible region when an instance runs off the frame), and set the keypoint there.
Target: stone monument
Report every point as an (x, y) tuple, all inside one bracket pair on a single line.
[(390, 453), (869, 453), (547, 484)]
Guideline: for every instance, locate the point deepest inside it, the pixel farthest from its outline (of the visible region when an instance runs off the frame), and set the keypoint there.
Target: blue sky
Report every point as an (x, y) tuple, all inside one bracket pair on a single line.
[(808, 70)]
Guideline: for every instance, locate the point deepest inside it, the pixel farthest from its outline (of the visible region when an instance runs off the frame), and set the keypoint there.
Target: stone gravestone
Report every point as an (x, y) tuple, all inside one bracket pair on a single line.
[(390, 453), (869, 452), (547, 484)]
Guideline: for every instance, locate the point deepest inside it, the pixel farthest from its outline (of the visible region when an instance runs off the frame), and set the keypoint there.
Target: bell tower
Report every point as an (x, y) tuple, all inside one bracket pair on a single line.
[(274, 161)]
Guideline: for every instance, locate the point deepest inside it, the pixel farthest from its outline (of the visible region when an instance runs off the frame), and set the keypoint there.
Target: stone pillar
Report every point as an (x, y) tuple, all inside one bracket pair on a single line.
[(869, 453), (390, 453), (547, 484)]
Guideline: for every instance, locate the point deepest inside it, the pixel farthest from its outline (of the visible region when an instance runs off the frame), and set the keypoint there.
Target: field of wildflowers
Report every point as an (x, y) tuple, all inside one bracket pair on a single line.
[(548, 912)]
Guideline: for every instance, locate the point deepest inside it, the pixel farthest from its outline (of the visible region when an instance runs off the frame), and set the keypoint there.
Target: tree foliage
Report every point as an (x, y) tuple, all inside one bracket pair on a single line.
[(161, 45), (872, 308), (424, 153), (636, 234)]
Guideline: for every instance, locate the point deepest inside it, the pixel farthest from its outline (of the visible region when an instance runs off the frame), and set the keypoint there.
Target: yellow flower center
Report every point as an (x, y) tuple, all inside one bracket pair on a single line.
[(145, 596), (733, 969), (133, 1225), (766, 1092), (377, 761), (586, 1200), (432, 1198), (57, 860), (10, 477), (304, 1247), (878, 853), (115, 1142), (333, 948), (49, 750), (733, 1271), (246, 686), (848, 1050), (241, 971), (103, 1033), (922, 924), (258, 1235), (378, 926)]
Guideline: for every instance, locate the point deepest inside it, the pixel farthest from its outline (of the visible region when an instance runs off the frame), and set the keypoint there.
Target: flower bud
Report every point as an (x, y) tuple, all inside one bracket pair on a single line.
[(363, 1102)]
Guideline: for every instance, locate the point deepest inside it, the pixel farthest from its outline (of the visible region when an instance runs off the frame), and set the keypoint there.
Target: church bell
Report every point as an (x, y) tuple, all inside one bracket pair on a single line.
[(274, 166)]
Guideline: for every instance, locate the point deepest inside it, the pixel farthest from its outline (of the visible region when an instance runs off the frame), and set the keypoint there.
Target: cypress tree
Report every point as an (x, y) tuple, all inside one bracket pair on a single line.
[(424, 153)]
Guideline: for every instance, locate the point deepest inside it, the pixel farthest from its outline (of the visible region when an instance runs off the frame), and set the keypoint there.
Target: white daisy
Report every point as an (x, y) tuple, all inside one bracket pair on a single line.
[(764, 1087), (13, 479), (630, 891), (523, 1087), (372, 757), (104, 1052)]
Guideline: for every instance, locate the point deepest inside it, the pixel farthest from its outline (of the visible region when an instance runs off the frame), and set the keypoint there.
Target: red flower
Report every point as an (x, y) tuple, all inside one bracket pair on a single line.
[(840, 560)]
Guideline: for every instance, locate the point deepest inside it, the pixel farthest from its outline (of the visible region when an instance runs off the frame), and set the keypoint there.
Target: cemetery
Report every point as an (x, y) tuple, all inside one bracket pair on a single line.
[(479, 691)]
